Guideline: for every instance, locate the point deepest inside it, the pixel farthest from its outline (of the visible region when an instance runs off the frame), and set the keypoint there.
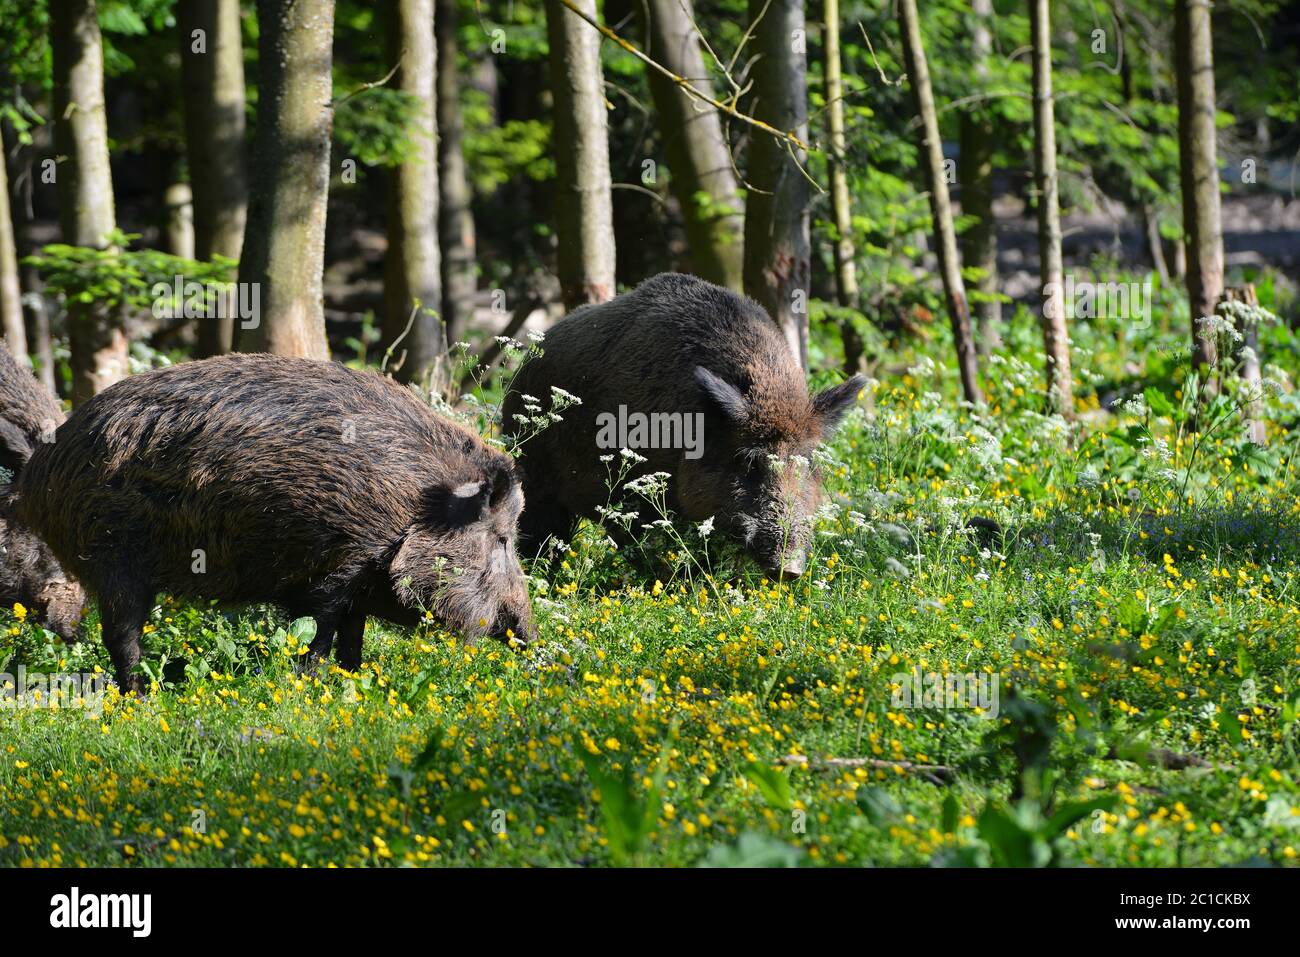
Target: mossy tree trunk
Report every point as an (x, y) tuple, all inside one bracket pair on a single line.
[(1199, 173), (699, 158), (412, 323), (945, 237), (778, 250), (455, 216), (284, 239), (1056, 336), (212, 86), (584, 212), (96, 336)]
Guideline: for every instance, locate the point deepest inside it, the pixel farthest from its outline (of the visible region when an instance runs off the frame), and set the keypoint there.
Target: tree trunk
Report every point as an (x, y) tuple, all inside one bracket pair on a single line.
[(699, 158), (412, 271), (584, 211), (284, 241), (846, 275), (455, 218), (979, 244), (11, 295), (179, 200), (96, 337), (778, 250), (212, 86), (37, 318), (1056, 337), (1199, 173), (1155, 245), (918, 73)]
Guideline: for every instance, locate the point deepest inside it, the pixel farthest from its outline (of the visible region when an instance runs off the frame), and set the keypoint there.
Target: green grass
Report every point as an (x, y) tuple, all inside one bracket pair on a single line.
[(1142, 612)]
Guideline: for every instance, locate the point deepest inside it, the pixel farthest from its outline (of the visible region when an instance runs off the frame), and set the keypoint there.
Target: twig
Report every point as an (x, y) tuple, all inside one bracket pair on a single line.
[(684, 83), (938, 773), (373, 83)]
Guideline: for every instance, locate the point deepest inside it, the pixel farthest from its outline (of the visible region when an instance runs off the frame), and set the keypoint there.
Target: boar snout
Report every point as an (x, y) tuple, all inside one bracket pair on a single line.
[(515, 627)]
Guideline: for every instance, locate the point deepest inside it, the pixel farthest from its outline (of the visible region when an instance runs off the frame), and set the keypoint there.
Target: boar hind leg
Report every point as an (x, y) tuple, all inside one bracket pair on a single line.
[(352, 629), (543, 518), (123, 618)]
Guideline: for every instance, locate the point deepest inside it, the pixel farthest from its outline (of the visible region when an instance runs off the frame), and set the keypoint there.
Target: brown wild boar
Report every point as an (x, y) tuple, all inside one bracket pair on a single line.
[(247, 478), (700, 382), (29, 573)]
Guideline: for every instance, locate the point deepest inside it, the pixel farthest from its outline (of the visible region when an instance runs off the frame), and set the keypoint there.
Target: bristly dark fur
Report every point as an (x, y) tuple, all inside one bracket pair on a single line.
[(297, 482), (29, 573), (678, 344)]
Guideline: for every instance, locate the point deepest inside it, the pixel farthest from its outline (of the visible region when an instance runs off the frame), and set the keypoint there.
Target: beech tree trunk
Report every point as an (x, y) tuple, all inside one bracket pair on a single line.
[(11, 295), (584, 211), (1056, 337), (212, 87), (37, 317), (96, 337), (979, 244), (918, 75), (284, 244), (412, 269), (699, 158), (1199, 173), (846, 275), (778, 250), (455, 217)]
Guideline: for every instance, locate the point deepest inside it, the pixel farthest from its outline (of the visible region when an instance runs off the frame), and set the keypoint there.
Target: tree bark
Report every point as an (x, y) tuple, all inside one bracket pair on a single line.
[(1247, 355), (284, 243), (778, 249), (699, 158), (37, 317), (212, 87), (584, 211), (455, 216), (940, 206), (11, 296), (1199, 172), (1056, 337), (96, 337), (179, 199), (846, 275), (412, 270), (979, 244)]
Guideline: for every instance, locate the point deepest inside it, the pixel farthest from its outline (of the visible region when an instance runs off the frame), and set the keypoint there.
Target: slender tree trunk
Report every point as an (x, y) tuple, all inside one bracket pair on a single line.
[(584, 210), (38, 319), (11, 304), (979, 244), (96, 337), (846, 275), (778, 249), (284, 241), (212, 84), (699, 158), (455, 217), (412, 270), (1056, 337), (1199, 173), (179, 200), (1155, 245), (918, 73)]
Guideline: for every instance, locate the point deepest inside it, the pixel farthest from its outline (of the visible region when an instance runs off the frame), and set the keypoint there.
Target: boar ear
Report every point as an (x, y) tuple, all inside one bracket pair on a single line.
[(467, 502), (503, 480), (831, 404), (724, 396), (15, 449)]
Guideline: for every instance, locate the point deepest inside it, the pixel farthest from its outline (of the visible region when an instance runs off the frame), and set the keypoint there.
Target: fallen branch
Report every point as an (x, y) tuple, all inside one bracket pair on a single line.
[(938, 773)]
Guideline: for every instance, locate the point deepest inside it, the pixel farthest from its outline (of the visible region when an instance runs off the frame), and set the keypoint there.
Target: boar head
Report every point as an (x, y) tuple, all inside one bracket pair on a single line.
[(757, 475), (459, 559)]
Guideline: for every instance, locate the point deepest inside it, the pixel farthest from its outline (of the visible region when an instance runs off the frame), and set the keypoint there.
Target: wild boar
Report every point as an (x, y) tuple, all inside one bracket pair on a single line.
[(700, 382), (29, 573), (248, 478)]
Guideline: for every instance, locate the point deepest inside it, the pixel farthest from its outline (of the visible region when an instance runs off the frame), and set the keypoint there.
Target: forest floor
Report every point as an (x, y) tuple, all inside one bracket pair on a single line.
[(1122, 674)]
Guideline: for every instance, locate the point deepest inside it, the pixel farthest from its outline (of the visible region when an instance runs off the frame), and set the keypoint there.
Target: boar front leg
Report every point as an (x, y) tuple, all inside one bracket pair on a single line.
[(352, 629), (122, 618)]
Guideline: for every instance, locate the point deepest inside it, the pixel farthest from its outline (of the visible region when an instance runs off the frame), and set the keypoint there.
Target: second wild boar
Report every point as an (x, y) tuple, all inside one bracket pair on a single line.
[(247, 478), (719, 401), (29, 573)]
